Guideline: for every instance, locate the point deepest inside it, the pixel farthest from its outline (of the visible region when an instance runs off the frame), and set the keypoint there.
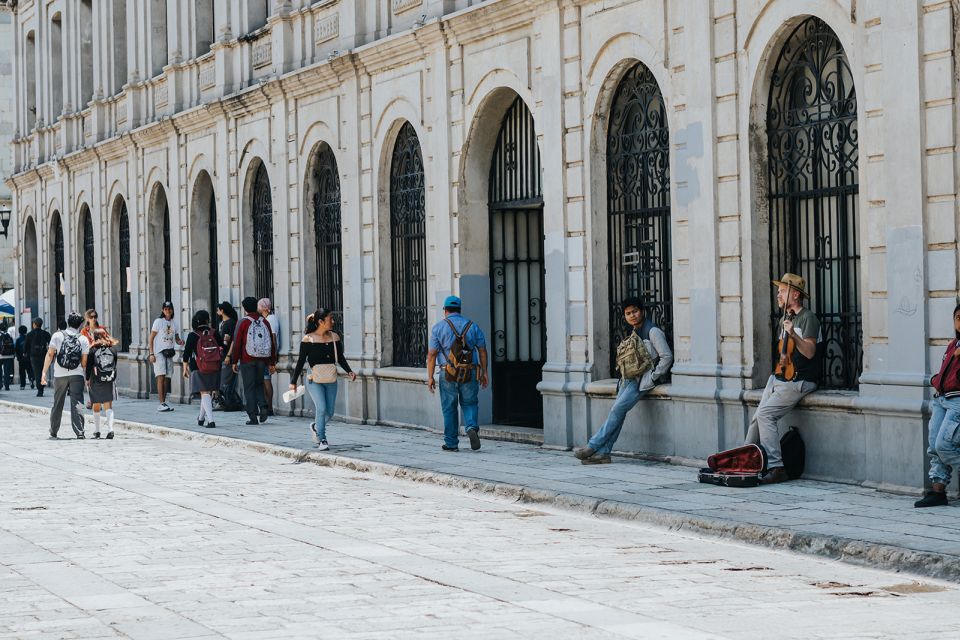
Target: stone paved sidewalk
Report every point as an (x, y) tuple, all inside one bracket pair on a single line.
[(845, 522)]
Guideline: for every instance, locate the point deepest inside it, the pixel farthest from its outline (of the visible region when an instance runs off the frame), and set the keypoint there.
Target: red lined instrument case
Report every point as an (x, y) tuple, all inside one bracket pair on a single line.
[(739, 467)]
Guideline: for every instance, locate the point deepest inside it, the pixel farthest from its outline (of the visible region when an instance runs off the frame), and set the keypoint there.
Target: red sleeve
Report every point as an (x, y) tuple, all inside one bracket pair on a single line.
[(239, 341)]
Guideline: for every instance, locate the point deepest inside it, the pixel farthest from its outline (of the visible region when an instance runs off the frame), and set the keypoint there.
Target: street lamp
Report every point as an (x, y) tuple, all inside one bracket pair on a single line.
[(4, 219)]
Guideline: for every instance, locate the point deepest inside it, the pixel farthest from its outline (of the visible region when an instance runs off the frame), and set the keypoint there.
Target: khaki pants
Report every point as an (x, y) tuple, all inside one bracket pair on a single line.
[(779, 397)]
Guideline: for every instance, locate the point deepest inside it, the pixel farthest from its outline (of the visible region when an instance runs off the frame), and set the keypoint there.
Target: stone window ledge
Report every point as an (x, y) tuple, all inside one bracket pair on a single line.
[(402, 374)]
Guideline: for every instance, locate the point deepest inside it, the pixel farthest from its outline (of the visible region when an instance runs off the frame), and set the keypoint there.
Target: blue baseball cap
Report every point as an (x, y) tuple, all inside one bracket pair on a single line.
[(452, 301)]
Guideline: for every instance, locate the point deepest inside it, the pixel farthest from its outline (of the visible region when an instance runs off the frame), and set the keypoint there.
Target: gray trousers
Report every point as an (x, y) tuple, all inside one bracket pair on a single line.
[(779, 397), (251, 373), (62, 385)]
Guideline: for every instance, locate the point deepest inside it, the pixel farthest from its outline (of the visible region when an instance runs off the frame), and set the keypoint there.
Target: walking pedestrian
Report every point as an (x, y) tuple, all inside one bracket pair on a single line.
[(462, 351), (944, 436), (91, 324), (644, 359), (266, 311), (202, 357), (101, 371), (36, 346), (8, 353), (227, 398), (322, 349), (164, 338), (253, 351), (23, 362), (68, 351)]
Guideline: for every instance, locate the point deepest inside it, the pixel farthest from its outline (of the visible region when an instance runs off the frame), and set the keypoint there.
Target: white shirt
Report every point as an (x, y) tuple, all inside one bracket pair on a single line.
[(167, 332), (275, 328), (56, 341)]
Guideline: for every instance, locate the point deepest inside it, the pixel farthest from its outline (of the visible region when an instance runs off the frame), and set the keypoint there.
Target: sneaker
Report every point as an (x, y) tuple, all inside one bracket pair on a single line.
[(81, 437), (474, 435), (446, 448), (200, 421), (252, 421), (96, 435), (322, 445), (597, 458), (582, 453), (932, 499), (211, 425), (313, 430), (110, 435), (164, 407), (52, 438)]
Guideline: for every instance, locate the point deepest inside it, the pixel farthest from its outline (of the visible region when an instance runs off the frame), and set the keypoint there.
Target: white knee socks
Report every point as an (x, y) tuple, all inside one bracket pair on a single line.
[(109, 420), (206, 407), (96, 422)]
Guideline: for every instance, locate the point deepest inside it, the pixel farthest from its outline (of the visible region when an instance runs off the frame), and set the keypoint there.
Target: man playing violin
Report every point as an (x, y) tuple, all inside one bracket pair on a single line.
[(796, 373)]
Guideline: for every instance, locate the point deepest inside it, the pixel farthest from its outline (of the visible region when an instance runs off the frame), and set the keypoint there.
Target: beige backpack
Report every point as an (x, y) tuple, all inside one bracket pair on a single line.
[(633, 359)]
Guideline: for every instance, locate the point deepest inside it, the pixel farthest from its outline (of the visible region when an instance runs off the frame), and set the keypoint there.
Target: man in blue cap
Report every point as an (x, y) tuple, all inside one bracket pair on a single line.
[(462, 350)]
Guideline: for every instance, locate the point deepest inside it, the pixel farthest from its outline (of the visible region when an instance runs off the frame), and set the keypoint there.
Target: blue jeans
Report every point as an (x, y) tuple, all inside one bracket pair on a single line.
[(944, 440), (324, 395), (452, 393), (627, 398)]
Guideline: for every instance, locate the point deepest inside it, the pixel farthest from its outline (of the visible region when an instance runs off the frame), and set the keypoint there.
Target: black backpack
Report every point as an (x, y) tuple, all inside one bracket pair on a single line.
[(793, 452), (104, 364), (7, 345), (70, 353)]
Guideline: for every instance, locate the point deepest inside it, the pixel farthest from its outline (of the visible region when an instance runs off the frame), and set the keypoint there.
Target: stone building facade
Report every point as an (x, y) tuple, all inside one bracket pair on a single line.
[(8, 245), (540, 158)]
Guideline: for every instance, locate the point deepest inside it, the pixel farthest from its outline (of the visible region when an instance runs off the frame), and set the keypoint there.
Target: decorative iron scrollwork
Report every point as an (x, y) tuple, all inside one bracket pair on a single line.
[(328, 243), (262, 212)]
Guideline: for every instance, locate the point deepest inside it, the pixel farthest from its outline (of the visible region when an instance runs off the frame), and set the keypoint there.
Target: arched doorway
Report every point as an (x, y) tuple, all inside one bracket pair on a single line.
[(325, 263), (638, 203), (813, 186), (203, 245), (519, 338), (261, 233), (57, 276), (88, 260), (159, 281), (121, 297), (408, 250), (31, 297)]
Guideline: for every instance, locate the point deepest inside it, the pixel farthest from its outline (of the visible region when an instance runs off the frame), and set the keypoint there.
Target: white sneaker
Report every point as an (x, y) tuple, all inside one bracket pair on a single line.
[(164, 407), (322, 446), (313, 429)]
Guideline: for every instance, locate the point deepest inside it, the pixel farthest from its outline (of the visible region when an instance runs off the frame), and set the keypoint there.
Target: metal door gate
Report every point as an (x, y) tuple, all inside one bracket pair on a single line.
[(519, 340)]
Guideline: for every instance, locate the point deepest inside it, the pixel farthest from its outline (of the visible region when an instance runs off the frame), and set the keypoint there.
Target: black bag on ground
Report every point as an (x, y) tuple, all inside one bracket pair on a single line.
[(794, 453)]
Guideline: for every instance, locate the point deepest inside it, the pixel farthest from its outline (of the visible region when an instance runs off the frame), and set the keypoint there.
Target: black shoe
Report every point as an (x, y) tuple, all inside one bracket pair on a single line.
[(932, 499), (446, 448), (52, 437), (110, 436), (253, 421), (96, 435), (81, 437), (200, 422), (474, 435), (211, 425), (270, 411), (39, 394), (775, 476), (23, 387), (263, 414)]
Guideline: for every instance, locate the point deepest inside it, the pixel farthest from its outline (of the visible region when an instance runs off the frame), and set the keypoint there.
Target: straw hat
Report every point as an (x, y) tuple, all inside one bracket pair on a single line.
[(793, 281)]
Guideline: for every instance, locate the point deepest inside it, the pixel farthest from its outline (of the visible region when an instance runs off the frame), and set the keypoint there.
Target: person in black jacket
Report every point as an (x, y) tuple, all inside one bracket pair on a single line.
[(228, 399), (23, 362), (35, 346)]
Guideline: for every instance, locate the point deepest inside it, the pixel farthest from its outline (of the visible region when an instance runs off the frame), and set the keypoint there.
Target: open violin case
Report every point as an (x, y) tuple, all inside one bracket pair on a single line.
[(739, 467)]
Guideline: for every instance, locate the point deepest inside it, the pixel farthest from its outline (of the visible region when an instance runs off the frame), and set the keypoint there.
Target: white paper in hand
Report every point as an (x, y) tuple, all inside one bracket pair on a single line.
[(290, 396)]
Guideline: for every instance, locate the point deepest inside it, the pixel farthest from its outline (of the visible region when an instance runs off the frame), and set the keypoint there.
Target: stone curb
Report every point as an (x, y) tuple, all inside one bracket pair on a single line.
[(859, 552)]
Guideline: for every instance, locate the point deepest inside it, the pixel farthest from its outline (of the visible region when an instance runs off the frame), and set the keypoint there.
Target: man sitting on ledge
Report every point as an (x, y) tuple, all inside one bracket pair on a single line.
[(646, 345), (796, 373)]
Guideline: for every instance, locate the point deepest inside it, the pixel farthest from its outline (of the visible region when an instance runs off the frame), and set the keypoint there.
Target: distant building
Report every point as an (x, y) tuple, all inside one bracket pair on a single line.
[(543, 160)]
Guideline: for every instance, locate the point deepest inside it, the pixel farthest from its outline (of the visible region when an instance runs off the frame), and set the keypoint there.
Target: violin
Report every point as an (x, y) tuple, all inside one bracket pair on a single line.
[(785, 368)]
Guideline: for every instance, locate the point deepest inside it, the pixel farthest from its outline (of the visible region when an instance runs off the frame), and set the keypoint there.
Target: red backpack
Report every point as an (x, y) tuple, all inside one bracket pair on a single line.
[(209, 354)]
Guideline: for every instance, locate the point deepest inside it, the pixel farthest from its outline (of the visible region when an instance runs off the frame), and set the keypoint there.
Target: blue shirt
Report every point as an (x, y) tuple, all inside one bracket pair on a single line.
[(442, 337)]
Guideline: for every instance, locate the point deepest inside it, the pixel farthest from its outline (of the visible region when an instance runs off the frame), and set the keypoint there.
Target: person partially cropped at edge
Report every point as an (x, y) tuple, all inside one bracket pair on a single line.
[(781, 395), (632, 390), (443, 335)]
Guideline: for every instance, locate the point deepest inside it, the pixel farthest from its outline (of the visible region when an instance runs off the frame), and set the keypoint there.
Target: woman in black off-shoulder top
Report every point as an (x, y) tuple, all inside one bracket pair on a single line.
[(321, 346)]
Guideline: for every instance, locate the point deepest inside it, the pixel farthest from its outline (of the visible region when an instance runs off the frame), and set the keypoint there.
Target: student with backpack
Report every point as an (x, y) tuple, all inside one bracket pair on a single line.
[(36, 346), (322, 349), (228, 399), (23, 363), (8, 352), (253, 352), (101, 371), (164, 337), (68, 352), (202, 357), (643, 359), (462, 351)]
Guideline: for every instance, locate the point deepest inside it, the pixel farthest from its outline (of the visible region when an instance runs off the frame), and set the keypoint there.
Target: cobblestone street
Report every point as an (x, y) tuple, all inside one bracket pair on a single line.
[(159, 538)]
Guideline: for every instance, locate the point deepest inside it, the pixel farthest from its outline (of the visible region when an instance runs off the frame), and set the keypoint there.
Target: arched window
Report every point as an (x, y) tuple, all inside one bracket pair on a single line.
[(813, 185), (327, 237), (159, 278), (30, 274), (119, 41), (123, 243), (56, 66), (56, 282), (203, 245), (89, 259), (262, 234), (638, 202), (158, 36), (408, 250), (167, 280), (204, 25), (86, 52), (30, 79)]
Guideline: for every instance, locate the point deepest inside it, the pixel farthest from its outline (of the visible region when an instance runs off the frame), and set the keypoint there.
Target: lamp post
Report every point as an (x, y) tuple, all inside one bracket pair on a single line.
[(4, 219)]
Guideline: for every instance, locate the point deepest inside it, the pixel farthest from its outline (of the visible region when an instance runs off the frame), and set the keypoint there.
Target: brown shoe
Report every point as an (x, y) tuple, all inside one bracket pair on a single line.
[(582, 453), (775, 476), (597, 458)]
